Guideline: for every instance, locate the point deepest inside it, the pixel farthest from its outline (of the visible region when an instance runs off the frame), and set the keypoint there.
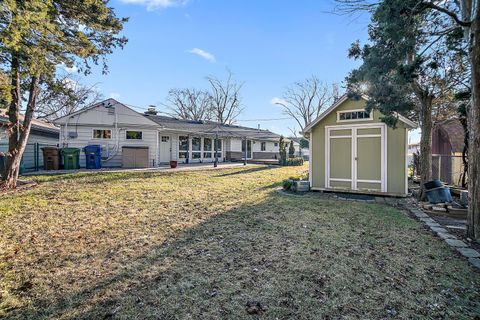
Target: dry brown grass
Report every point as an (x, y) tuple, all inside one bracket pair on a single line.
[(215, 245)]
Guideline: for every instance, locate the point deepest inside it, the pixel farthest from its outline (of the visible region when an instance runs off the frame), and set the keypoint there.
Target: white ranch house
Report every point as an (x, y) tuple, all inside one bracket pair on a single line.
[(138, 140)]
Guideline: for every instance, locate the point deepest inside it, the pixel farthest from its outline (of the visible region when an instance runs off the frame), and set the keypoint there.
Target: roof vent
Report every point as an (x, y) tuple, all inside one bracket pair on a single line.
[(152, 110)]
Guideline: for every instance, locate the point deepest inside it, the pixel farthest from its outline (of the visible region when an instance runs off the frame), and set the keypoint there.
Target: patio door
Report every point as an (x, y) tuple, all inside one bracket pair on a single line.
[(355, 158), (248, 144), (165, 148)]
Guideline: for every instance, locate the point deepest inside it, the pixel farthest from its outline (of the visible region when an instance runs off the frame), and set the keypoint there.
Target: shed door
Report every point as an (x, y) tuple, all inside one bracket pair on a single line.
[(340, 153), (356, 158), (135, 157), (369, 154)]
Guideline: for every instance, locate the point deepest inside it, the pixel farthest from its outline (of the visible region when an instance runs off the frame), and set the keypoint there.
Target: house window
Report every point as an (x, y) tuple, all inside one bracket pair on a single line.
[(183, 147), (196, 148), (133, 135), (263, 146), (218, 144), (207, 148), (165, 138), (102, 134), (354, 115), (275, 144)]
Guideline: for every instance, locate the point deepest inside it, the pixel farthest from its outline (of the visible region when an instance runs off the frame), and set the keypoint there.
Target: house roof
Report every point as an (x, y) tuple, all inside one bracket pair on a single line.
[(455, 132), (211, 127), (37, 124), (190, 126), (339, 102)]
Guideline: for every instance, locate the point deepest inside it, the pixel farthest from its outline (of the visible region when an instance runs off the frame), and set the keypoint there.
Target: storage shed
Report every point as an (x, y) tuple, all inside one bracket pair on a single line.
[(352, 150)]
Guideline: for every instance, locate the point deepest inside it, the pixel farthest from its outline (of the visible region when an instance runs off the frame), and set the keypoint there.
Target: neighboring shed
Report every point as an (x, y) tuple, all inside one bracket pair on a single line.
[(41, 134), (353, 150), (447, 147)]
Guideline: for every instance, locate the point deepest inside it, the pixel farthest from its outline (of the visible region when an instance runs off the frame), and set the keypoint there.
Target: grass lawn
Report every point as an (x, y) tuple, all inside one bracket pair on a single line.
[(215, 245)]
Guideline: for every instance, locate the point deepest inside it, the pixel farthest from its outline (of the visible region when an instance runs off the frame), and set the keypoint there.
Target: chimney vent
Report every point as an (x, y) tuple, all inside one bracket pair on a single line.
[(152, 110)]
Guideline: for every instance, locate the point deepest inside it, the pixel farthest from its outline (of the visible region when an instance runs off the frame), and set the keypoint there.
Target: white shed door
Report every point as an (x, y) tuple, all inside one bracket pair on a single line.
[(356, 158)]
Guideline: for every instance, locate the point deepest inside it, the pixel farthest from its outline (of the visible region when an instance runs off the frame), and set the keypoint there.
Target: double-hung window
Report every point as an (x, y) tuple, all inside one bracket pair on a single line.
[(218, 143), (183, 147), (102, 134), (207, 148), (263, 146), (133, 135), (196, 148)]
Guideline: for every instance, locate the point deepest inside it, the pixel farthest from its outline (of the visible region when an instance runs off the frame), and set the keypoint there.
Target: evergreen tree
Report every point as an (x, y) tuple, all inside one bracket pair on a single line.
[(291, 150), (283, 151), (407, 67), (36, 37)]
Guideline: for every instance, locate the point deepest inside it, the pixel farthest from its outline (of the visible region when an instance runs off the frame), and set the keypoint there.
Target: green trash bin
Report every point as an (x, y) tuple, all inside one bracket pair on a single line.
[(71, 158)]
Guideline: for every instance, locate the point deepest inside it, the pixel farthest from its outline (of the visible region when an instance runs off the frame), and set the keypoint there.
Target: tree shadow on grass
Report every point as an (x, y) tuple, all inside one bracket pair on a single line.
[(247, 171), (82, 178), (278, 259)]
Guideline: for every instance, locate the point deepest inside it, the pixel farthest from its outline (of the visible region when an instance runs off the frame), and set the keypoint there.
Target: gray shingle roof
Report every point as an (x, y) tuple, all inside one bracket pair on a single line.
[(37, 125), (211, 128)]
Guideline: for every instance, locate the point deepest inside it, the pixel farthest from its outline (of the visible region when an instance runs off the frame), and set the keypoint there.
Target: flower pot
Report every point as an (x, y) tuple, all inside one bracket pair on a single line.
[(173, 164)]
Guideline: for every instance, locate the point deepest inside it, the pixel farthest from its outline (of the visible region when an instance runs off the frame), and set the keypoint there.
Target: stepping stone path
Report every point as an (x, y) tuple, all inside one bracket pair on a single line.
[(472, 255)]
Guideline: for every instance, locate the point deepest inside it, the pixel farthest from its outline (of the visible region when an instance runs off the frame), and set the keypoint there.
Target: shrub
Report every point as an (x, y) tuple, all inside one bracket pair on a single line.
[(287, 184), (298, 161)]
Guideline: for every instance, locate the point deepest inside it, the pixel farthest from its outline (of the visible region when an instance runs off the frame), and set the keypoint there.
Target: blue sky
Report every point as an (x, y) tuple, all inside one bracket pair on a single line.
[(267, 44)]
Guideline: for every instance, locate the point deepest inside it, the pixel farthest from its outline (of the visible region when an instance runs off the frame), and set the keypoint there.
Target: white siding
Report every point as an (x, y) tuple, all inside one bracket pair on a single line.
[(110, 147), (236, 145), (102, 117)]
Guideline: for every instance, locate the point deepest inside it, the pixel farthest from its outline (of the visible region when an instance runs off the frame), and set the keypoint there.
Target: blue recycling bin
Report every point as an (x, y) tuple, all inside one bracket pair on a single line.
[(437, 192), (439, 195), (93, 156), (3, 164)]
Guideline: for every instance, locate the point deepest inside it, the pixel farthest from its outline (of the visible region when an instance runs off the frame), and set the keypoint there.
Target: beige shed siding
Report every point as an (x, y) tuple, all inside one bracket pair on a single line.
[(395, 149), (396, 158)]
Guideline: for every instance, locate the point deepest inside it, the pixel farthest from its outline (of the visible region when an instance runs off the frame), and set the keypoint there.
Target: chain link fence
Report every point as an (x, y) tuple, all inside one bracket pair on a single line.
[(448, 169), (32, 159)]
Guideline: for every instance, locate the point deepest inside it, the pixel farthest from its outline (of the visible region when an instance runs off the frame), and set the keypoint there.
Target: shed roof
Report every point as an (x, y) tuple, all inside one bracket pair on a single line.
[(340, 101)]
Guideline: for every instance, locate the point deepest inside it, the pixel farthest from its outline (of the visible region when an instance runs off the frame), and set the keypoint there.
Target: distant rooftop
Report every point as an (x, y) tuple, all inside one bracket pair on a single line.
[(37, 124)]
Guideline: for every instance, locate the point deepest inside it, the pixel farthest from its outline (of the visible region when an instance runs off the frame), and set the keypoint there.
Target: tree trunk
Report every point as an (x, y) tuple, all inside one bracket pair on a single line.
[(473, 217), (20, 132), (13, 128), (425, 166)]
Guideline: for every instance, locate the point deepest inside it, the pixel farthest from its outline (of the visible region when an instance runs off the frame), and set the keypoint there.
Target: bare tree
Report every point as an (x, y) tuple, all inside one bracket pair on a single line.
[(226, 99), (65, 96), (190, 104), (306, 100)]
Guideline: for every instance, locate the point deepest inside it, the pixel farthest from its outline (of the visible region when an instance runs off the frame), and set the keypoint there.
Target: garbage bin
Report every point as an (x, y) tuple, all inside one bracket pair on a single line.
[(3, 164), (51, 158), (71, 158), (437, 192), (93, 156)]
